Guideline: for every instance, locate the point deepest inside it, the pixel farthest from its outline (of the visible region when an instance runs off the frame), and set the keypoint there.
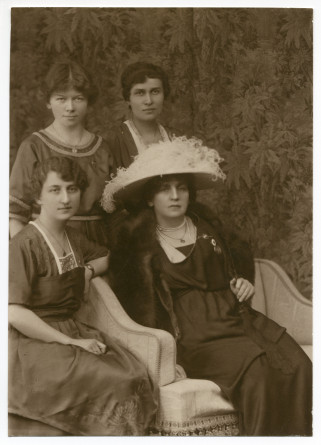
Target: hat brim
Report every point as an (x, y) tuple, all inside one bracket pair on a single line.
[(133, 192)]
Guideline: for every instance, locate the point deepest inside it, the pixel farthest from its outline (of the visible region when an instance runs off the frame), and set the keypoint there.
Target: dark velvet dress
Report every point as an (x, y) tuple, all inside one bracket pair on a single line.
[(214, 346), (93, 157), (66, 386)]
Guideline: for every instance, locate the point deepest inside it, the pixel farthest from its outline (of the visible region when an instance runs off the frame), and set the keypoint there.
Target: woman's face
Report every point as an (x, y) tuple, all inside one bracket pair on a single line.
[(170, 202), (68, 107), (146, 99), (59, 199)]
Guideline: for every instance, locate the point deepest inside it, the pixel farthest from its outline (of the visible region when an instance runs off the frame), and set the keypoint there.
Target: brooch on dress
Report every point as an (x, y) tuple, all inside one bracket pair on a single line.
[(216, 247)]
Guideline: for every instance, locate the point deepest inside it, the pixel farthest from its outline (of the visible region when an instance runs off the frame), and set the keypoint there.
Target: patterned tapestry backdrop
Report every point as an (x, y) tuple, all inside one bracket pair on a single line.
[(241, 79)]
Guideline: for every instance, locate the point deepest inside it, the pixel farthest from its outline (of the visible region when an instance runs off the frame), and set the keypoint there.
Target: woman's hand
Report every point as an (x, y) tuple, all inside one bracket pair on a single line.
[(242, 289), (91, 345)]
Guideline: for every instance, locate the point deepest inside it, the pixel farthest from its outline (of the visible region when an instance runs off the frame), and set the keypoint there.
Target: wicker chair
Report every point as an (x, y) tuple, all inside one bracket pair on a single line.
[(186, 406)]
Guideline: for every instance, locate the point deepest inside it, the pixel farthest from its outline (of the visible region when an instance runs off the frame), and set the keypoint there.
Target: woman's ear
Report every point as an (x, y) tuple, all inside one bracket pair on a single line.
[(150, 204), (38, 201), (48, 106)]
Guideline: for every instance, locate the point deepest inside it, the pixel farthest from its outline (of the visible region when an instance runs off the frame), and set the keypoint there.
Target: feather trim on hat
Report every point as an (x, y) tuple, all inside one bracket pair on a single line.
[(178, 156)]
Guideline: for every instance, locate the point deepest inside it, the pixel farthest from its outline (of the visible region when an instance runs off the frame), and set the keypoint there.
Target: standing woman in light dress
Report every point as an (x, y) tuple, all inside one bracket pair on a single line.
[(145, 86), (69, 92)]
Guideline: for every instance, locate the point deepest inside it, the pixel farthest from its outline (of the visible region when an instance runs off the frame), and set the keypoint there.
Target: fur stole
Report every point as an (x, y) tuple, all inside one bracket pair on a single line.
[(134, 269)]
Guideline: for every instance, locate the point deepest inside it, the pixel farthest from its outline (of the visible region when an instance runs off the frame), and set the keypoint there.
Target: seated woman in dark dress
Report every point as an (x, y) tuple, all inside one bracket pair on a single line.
[(173, 267), (61, 372), (145, 86)]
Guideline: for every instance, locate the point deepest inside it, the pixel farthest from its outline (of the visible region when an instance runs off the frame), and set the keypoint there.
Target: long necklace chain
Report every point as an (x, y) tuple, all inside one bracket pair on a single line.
[(171, 229), (162, 231), (62, 246)]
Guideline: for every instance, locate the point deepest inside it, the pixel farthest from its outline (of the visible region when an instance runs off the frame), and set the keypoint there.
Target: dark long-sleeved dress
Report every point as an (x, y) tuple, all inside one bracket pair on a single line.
[(214, 345), (93, 157), (66, 386)]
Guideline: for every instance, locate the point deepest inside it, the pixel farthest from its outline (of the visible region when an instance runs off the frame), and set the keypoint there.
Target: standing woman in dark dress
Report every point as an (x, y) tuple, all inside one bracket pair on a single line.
[(69, 92), (62, 372), (145, 87), (174, 267)]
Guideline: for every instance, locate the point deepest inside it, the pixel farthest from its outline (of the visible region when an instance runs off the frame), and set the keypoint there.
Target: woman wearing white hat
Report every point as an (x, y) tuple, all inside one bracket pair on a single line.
[(173, 268)]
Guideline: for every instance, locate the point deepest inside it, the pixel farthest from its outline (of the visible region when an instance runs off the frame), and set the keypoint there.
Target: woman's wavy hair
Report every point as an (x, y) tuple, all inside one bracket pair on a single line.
[(66, 168), (139, 72), (65, 74)]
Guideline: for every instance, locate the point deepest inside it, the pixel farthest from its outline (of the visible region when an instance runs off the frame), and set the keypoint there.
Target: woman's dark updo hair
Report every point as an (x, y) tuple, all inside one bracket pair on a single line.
[(138, 203), (67, 74), (139, 72), (66, 168), (154, 186)]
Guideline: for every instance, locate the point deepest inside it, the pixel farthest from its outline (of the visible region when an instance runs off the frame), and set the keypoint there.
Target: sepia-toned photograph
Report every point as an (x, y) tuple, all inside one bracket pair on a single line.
[(160, 222)]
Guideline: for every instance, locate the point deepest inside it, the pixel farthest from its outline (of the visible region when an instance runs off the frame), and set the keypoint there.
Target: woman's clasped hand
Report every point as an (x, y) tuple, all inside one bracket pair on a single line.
[(242, 289)]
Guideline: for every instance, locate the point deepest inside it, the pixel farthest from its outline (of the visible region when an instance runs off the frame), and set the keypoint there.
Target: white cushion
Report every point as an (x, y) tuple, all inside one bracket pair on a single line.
[(188, 399)]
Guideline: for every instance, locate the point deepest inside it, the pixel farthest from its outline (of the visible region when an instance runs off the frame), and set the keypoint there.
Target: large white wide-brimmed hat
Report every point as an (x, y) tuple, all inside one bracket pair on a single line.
[(178, 156)]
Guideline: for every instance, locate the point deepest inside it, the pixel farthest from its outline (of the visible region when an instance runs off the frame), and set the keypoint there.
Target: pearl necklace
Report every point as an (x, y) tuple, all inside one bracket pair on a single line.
[(162, 231)]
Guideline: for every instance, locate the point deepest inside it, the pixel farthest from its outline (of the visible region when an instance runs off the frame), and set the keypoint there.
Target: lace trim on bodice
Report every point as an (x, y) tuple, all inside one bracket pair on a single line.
[(68, 262), (140, 145), (65, 263)]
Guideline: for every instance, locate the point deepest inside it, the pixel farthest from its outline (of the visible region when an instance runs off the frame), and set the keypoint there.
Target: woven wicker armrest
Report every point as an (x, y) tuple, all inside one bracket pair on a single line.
[(278, 298), (154, 347)]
